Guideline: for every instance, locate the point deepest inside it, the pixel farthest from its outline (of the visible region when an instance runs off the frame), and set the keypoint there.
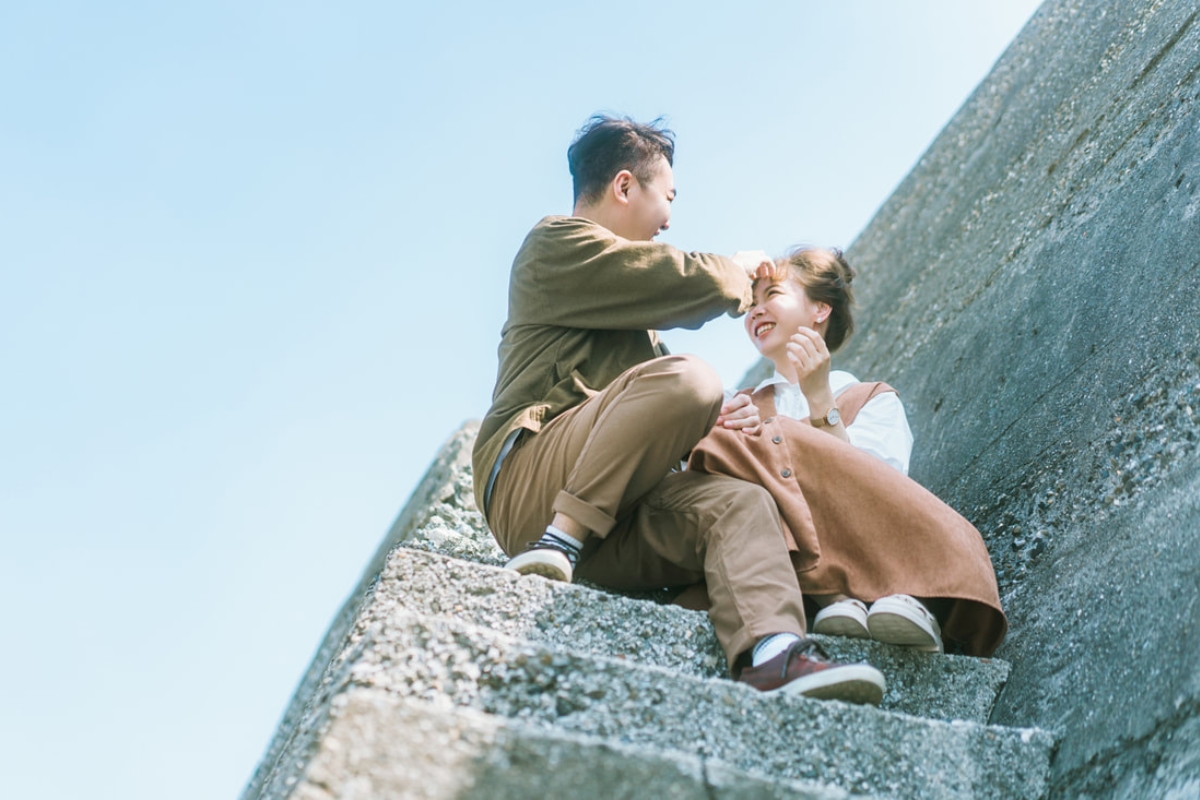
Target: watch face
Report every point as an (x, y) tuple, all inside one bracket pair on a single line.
[(834, 416)]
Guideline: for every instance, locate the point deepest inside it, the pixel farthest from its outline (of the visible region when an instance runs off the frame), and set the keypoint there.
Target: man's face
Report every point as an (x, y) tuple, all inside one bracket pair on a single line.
[(649, 205)]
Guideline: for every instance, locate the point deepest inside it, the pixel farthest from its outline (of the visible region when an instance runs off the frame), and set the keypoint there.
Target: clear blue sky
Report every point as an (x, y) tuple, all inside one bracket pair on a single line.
[(253, 268)]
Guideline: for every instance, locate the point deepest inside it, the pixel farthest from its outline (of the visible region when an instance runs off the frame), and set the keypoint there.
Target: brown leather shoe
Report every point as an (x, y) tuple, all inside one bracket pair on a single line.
[(805, 669)]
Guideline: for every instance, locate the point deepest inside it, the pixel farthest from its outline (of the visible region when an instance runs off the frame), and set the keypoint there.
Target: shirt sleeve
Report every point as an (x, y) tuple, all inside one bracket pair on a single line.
[(574, 273), (881, 429)]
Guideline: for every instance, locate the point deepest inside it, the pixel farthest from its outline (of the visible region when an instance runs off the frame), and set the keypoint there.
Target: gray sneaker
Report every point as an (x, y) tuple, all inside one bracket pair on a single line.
[(902, 620), (843, 618)]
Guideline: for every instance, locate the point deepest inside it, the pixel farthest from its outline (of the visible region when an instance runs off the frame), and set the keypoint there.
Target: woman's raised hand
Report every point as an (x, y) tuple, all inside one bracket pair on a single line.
[(809, 357), (740, 414)]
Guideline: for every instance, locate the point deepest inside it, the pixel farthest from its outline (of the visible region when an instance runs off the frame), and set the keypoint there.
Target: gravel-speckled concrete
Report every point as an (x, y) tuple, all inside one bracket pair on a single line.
[(439, 498), (441, 630), (380, 745), (586, 621), (860, 749)]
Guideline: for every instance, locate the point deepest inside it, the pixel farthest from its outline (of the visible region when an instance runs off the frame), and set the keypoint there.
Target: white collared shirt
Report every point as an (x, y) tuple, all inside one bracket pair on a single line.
[(881, 427)]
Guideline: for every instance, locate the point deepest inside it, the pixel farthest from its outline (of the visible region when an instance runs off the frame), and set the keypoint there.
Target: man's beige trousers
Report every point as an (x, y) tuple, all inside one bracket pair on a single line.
[(612, 464)]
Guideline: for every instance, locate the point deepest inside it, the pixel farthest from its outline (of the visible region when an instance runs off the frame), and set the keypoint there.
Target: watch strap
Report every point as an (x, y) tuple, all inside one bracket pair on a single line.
[(832, 417)]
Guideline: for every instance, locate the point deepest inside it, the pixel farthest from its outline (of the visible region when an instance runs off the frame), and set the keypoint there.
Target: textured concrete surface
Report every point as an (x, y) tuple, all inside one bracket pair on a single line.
[(859, 749), (591, 622), (437, 491), (1033, 290), (1111, 645), (379, 745), (536, 665)]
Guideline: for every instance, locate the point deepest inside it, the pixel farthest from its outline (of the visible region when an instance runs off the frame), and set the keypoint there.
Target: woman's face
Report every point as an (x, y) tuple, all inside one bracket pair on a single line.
[(780, 310)]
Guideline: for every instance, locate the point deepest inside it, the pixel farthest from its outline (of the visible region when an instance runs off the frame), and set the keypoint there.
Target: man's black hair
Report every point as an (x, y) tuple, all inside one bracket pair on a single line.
[(606, 145)]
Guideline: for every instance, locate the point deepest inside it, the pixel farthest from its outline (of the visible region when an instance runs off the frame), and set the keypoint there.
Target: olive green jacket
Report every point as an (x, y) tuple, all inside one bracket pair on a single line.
[(583, 304)]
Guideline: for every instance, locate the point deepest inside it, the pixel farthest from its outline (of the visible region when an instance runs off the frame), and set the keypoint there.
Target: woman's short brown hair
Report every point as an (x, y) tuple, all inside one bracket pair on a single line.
[(826, 277)]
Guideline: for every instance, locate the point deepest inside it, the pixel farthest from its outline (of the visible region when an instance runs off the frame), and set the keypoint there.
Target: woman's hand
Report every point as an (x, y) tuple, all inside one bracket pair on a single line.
[(809, 357), (740, 414)]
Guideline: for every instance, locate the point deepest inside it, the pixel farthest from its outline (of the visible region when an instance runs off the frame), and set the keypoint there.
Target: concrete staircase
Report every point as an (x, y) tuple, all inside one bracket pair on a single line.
[(448, 678)]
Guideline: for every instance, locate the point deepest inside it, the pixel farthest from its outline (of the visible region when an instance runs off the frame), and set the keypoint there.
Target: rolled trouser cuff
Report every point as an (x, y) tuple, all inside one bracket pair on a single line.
[(585, 514)]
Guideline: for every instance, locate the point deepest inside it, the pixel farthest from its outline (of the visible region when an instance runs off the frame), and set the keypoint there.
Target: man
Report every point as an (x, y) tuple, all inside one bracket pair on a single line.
[(577, 462)]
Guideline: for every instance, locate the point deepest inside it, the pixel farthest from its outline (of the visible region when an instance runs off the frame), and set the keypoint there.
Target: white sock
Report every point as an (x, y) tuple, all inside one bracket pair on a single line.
[(564, 537), (770, 646), (565, 540)]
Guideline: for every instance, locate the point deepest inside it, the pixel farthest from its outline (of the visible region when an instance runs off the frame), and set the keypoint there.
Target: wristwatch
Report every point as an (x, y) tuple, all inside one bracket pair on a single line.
[(831, 418)]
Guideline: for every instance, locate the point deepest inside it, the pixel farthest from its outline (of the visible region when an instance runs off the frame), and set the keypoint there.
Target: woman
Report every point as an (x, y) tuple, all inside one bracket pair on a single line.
[(879, 555)]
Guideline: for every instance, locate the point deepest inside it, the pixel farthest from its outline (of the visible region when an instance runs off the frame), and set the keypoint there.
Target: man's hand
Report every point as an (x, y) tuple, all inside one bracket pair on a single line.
[(756, 263), (740, 414)]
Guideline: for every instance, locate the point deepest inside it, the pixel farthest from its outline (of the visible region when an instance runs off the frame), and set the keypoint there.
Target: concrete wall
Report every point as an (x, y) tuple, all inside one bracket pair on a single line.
[(1033, 290)]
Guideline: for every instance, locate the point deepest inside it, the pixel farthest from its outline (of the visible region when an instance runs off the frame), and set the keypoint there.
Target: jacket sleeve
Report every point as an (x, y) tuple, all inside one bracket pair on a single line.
[(574, 273)]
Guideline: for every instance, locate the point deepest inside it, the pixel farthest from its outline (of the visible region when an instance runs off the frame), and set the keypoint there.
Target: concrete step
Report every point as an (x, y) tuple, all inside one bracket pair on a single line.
[(444, 678), (381, 745), (590, 622), (859, 749)]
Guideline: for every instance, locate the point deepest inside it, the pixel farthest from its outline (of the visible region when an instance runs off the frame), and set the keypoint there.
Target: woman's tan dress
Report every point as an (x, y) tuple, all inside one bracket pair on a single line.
[(859, 527)]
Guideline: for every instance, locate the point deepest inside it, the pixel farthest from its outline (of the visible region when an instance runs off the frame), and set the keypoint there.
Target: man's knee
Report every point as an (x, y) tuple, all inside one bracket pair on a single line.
[(694, 385)]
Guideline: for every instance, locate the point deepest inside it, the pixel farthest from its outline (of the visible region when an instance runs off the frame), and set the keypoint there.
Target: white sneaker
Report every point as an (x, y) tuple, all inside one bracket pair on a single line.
[(544, 561), (844, 618), (902, 620)]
